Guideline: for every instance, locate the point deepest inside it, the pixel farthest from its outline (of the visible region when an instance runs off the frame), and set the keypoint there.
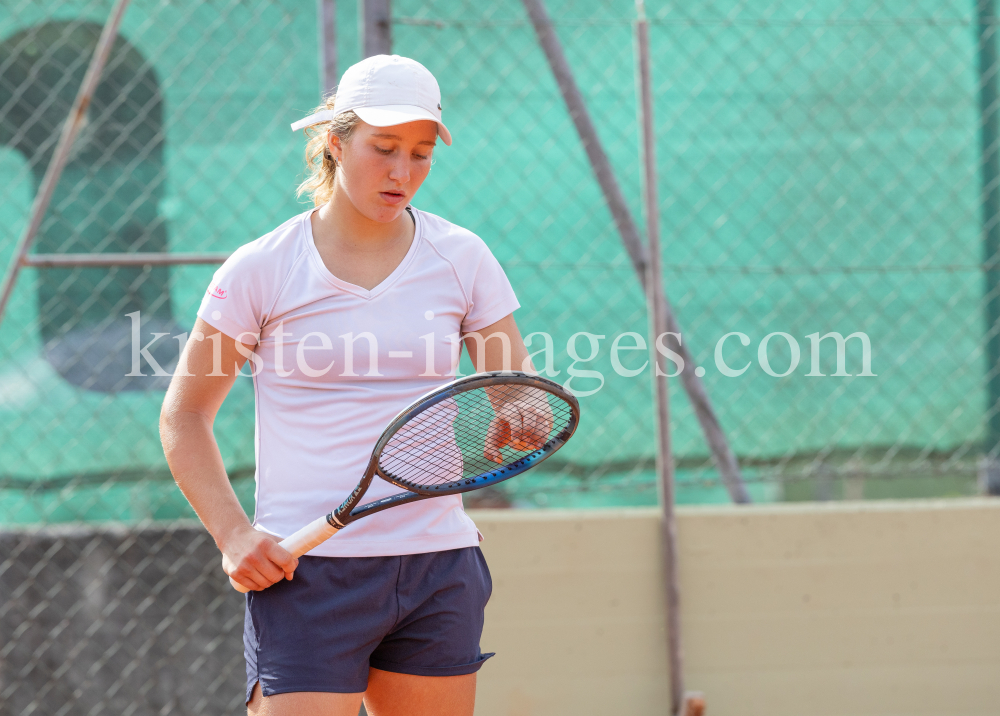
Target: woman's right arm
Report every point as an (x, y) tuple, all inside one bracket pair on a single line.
[(212, 360)]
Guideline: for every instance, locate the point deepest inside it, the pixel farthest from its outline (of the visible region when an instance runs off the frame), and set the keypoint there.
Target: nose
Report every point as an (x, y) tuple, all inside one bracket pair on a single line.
[(400, 171)]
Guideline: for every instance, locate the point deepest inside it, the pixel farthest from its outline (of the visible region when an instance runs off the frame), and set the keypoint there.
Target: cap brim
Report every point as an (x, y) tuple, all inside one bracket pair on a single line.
[(392, 115), (324, 115)]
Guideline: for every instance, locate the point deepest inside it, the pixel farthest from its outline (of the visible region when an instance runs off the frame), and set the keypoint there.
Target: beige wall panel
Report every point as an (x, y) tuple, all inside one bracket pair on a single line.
[(849, 609), (576, 620)]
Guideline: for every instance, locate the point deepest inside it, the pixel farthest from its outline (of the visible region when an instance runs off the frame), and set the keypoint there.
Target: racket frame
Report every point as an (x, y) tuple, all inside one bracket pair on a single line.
[(349, 510)]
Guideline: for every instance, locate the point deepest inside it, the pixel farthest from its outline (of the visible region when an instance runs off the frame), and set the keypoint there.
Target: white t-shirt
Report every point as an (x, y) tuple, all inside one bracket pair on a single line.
[(321, 407)]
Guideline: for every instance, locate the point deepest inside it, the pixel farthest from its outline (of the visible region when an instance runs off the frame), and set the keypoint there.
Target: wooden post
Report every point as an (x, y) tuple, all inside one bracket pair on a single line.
[(718, 445), (77, 115), (328, 46), (376, 27)]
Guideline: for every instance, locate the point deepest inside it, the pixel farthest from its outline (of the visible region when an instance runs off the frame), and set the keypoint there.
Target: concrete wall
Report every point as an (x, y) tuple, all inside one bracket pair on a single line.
[(800, 610), (797, 610)]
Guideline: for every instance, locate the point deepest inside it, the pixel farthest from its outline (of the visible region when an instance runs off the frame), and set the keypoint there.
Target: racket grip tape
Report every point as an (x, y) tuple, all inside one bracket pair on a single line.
[(310, 536)]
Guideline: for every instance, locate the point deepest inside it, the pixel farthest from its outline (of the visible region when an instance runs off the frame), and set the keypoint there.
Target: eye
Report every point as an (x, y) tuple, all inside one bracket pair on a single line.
[(383, 151), (421, 157)]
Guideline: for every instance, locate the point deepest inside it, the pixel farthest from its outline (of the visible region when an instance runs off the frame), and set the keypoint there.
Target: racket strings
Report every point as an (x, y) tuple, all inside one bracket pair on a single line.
[(474, 433), (438, 457)]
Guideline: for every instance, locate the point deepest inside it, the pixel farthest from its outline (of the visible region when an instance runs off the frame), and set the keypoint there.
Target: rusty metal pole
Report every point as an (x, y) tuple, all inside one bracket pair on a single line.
[(77, 114)]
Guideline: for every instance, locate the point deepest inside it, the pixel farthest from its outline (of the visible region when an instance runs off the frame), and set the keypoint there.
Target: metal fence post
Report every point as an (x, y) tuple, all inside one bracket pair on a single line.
[(328, 45), (988, 97), (656, 300), (376, 27)]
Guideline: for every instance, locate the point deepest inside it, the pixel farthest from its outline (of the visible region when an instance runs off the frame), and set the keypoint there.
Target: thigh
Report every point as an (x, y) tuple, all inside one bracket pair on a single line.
[(393, 694), (442, 597), (316, 633), (304, 703)]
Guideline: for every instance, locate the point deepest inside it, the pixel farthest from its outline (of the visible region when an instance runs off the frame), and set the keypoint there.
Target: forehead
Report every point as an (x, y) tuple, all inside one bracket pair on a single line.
[(423, 131)]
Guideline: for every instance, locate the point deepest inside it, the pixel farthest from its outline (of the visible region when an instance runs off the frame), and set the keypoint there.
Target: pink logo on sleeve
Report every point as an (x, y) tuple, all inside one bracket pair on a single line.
[(217, 292)]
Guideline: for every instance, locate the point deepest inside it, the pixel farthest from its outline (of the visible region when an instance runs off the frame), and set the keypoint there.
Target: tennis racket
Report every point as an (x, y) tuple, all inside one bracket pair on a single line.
[(469, 434)]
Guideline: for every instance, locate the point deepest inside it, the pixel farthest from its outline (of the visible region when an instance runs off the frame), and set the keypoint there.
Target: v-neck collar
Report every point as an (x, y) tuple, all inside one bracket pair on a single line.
[(354, 288)]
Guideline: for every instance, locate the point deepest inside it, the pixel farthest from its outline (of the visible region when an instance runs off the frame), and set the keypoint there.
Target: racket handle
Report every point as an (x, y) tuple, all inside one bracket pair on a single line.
[(312, 535)]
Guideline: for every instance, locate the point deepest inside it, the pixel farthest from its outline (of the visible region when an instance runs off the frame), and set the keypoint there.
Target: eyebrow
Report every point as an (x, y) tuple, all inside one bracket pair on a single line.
[(383, 135)]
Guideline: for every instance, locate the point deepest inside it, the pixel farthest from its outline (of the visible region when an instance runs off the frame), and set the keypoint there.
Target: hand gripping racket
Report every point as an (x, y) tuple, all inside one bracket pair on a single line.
[(469, 434)]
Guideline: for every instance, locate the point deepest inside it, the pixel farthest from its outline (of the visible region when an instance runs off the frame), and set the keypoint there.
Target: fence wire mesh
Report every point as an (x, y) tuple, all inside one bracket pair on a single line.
[(821, 170)]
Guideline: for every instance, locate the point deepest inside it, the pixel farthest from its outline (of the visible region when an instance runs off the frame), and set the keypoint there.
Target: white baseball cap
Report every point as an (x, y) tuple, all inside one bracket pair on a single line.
[(385, 90)]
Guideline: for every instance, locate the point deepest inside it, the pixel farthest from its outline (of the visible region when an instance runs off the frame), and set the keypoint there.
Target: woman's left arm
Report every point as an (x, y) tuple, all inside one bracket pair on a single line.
[(499, 346)]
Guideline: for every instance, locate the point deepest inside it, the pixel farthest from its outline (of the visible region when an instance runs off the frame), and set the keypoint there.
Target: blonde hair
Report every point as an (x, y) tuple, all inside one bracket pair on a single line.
[(320, 166)]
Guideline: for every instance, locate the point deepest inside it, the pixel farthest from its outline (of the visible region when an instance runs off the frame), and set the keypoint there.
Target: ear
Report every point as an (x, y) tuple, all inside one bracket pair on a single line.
[(334, 146)]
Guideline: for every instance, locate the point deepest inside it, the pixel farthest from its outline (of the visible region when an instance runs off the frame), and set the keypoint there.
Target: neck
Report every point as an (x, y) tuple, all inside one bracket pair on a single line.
[(338, 223)]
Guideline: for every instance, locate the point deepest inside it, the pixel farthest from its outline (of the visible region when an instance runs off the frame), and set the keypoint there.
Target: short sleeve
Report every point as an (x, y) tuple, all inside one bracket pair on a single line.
[(233, 301), (492, 297)]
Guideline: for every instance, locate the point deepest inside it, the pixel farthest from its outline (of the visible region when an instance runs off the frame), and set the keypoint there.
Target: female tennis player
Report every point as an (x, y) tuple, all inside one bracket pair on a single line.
[(347, 313)]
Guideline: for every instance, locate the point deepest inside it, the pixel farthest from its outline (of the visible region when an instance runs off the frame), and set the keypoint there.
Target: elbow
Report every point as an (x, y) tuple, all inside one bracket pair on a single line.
[(178, 420)]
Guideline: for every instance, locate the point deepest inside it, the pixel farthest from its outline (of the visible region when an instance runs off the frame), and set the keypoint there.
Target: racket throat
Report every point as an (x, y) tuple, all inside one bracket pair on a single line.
[(334, 521)]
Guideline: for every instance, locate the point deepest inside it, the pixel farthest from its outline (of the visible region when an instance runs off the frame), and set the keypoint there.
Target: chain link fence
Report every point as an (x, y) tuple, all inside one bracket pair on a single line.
[(821, 171)]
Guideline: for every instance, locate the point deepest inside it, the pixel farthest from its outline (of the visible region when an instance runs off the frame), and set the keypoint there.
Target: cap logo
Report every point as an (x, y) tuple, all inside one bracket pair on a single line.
[(439, 106)]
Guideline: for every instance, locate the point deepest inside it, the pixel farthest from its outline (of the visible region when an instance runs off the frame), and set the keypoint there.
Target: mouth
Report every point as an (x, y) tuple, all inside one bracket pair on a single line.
[(392, 196)]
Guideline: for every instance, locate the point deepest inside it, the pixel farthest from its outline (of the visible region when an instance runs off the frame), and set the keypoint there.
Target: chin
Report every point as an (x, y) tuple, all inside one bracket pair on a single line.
[(386, 214)]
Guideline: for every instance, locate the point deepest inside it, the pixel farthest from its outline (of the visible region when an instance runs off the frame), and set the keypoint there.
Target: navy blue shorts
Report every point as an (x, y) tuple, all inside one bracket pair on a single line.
[(414, 614)]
